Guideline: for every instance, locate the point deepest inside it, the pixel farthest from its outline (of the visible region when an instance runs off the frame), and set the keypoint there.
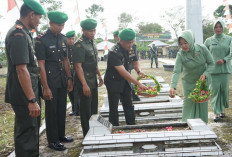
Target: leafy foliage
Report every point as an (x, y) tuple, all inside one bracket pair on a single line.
[(207, 28), (220, 12), (94, 10), (149, 28), (201, 93), (151, 91), (124, 19)]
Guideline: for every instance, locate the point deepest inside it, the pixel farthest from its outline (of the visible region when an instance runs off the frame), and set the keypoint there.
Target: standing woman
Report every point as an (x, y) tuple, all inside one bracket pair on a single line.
[(196, 62), (219, 46)]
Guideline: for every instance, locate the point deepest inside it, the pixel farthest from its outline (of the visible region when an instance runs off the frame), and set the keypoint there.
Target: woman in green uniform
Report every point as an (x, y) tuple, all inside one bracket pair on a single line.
[(219, 46), (195, 61)]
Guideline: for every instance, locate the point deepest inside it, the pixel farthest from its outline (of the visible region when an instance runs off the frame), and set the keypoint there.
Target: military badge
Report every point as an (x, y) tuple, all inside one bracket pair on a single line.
[(78, 45), (18, 26)]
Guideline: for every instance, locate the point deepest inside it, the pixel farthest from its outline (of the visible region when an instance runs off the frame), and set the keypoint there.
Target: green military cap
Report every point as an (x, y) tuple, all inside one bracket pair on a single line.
[(35, 6), (88, 24), (70, 34), (57, 17), (127, 34), (115, 33)]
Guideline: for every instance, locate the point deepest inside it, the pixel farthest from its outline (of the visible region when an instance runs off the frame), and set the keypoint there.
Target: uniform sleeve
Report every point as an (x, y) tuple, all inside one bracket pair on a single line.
[(78, 53), (114, 59), (228, 57), (177, 71), (206, 43), (65, 49), (40, 50), (19, 52), (209, 62)]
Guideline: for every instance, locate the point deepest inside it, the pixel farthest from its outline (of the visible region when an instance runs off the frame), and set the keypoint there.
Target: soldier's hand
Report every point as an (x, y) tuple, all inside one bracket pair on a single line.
[(172, 92), (100, 81), (142, 86), (70, 85), (48, 94), (34, 109), (86, 90), (142, 74)]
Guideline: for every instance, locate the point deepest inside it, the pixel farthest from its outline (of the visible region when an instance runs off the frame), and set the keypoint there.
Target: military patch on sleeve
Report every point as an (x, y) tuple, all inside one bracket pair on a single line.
[(18, 26), (19, 34)]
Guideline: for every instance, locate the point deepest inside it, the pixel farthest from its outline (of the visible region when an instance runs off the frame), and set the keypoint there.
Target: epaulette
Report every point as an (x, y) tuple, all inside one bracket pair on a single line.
[(115, 49), (80, 39), (18, 26), (41, 35)]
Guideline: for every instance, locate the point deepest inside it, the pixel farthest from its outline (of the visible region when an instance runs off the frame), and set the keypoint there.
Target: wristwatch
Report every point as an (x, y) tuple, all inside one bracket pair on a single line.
[(32, 100), (70, 78)]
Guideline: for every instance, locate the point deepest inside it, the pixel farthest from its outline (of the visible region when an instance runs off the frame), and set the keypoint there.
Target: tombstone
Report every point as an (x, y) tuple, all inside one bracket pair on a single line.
[(198, 140)]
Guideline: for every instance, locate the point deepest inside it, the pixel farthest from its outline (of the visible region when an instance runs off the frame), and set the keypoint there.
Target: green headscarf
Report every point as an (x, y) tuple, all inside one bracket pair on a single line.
[(189, 37), (223, 27)]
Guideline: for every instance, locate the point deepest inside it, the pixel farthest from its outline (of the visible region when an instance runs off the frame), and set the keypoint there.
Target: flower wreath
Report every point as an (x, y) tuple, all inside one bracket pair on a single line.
[(201, 93), (151, 91)]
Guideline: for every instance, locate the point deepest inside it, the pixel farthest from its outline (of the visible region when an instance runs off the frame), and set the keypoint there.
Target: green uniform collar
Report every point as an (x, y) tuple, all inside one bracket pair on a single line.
[(18, 22), (87, 40)]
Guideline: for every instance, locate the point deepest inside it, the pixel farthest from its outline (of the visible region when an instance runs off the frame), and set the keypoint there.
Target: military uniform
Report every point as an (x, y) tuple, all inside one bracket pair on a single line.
[(117, 86), (73, 95), (85, 52), (194, 63), (20, 50), (219, 46), (52, 49), (154, 55)]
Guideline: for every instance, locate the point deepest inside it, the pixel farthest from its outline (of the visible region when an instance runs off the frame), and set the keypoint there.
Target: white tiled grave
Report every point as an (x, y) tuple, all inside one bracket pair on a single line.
[(150, 112), (198, 141)]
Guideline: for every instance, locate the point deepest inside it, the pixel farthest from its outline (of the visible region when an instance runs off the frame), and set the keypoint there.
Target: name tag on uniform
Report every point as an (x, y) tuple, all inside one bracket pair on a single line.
[(52, 47), (187, 60)]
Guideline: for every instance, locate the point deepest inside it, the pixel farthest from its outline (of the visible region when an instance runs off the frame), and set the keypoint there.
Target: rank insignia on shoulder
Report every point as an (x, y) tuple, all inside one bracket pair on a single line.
[(19, 34), (63, 45), (18, 26), (78, 45)]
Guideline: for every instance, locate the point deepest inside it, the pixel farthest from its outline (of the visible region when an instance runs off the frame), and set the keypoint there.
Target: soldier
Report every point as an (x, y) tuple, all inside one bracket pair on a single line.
[(116, 38), (117, 77), (85, 58), (154, 54), (51, 52), (75, 102), (22, 80)]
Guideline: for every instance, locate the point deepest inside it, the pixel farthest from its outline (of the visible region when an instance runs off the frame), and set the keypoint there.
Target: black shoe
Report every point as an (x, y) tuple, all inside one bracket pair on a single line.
[(72, 113), (57, 146), (66, 139), (222, 115), (216, 119), (77, 114)]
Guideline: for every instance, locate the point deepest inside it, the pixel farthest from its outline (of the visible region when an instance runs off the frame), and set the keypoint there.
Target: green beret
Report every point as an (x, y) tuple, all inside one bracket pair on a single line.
[(35, 6), (115, 33), (70, 34), (127, 34), (57, 17), (89, 24)]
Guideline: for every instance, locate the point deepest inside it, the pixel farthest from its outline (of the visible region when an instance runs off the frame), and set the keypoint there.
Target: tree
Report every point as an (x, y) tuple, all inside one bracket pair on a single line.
[(149, 28), (174, 19), (220, 12), (124, 19), (207, 28), (94, 10), (49, 5)]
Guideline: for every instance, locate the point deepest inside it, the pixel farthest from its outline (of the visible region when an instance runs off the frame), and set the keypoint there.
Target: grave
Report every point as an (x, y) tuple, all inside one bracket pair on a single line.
[(197, 140)]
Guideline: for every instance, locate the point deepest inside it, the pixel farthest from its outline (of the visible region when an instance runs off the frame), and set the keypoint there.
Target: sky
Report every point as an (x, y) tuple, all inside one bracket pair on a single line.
[(148, 11)]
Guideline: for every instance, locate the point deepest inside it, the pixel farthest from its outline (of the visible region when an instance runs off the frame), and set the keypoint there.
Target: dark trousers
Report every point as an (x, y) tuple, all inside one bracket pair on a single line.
[(88, 107), (75, 100), (128, 107), (26, 132), (55, 114)]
